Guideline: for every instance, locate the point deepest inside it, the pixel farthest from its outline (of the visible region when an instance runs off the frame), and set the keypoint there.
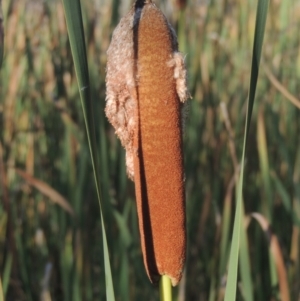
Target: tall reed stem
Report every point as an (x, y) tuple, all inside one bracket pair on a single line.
[(1, 35)]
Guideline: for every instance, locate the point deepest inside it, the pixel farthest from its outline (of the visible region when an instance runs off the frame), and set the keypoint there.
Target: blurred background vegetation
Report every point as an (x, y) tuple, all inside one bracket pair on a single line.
[(50, 235)]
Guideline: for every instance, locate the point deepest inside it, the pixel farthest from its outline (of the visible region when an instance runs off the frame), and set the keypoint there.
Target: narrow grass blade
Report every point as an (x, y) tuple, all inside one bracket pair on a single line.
[(281, 88), (262, 144), (73, 15), (1, 291), (48, 191), (7, 273), (244, 261), (261, 16), (266, 207), (277, 256), (244, 258)]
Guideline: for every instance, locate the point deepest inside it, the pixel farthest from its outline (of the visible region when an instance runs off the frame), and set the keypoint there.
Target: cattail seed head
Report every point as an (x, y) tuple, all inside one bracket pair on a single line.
[(146, 89)]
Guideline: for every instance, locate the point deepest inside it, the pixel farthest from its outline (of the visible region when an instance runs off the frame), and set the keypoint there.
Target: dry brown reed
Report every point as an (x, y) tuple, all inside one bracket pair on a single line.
[(146, 88), (1, 34), (181, 4)]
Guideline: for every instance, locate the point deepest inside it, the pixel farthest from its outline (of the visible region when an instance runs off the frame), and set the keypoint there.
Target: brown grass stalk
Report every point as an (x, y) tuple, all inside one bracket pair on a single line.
[(181, 4), (281, 88), (277, 256), (46, 190), (1, 34), (146, 87)]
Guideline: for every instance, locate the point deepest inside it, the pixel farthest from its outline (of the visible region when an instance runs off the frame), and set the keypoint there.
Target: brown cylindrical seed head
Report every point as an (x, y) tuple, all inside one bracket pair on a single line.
[(158, 163), (150, 76)]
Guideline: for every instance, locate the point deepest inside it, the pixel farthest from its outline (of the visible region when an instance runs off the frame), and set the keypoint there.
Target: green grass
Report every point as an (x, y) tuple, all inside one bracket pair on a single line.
[(42, 131)]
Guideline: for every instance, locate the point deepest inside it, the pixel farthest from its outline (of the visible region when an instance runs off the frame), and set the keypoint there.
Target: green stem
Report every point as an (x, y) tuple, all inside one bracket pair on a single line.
[(165, 288), (1, 291)]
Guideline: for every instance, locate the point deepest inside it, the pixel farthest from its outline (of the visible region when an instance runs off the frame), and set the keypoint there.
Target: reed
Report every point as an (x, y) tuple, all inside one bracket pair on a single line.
[(181, 4), (1, 35), (42, 133)]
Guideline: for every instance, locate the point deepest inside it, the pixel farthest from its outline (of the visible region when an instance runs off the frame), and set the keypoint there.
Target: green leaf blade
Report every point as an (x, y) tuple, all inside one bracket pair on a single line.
[(261, 16), (73, 15)]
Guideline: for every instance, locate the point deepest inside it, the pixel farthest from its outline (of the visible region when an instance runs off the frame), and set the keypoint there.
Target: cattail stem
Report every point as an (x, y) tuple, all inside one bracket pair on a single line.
[(165, 288), (146, 89)]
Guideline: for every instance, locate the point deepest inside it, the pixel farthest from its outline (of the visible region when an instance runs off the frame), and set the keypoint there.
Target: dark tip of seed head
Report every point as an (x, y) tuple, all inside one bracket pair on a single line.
[(137, 15), (141, 3)]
